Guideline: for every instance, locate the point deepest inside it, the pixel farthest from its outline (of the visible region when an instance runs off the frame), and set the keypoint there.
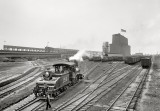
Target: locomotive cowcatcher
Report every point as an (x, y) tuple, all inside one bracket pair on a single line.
[(57, 79)]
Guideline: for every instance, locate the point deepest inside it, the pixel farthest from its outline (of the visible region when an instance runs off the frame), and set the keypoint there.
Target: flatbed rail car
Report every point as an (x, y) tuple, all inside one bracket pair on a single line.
[(56, 80), (146, 62)]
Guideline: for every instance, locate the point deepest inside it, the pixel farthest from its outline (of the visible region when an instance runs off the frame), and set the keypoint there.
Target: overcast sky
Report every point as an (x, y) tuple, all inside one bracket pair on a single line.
[(80, 24)]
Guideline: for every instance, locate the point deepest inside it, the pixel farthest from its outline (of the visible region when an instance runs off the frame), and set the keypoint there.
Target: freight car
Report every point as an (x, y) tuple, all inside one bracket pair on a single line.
[(95, 58), (57, 80), (105, 59), (132, 59), (117, 58), (146, 62), (84, 57), (112, 58)]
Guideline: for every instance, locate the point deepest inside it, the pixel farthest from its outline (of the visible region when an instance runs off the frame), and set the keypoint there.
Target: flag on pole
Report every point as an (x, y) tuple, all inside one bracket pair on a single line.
[(122, 30)]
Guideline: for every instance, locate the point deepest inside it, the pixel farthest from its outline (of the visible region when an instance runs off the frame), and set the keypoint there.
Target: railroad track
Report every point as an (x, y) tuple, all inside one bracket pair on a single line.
[(91, 69), (34, 105), (87, 104), (100, 81), (80, 99), (123, 102), (118, 104), (99, 70), (37, 103), (12, 88), (6, 81), (95, 102)]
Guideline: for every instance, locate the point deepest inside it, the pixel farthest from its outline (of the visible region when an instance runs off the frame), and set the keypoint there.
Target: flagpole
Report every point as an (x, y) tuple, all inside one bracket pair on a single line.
[(123, 31)]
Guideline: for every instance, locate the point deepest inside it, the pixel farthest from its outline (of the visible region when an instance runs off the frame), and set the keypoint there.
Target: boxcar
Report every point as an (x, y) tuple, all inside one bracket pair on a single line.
[(131, 60), (146, 62)]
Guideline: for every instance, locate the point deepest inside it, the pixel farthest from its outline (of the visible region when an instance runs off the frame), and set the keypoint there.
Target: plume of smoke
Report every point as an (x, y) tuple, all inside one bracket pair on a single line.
[(79, 55)]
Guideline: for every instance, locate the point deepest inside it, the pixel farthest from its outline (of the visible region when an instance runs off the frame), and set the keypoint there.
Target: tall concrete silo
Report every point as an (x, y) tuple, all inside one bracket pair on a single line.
[(105, 48), (120, 45)]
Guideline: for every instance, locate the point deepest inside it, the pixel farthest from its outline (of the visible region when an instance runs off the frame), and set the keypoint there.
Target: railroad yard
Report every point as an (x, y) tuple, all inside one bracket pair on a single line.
[(94, 55), (107, 86)]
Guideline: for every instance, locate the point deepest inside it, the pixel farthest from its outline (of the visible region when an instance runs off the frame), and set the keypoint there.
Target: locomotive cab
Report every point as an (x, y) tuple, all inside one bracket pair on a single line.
[(57, 79)]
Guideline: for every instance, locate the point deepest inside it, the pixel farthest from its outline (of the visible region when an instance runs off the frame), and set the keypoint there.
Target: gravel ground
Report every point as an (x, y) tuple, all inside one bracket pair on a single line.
[(150, 97), (107, 99), (10, 69), (17, 96)]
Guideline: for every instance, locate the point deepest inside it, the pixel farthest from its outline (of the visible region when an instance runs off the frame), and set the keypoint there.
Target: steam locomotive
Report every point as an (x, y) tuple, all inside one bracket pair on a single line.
[(57, 79)]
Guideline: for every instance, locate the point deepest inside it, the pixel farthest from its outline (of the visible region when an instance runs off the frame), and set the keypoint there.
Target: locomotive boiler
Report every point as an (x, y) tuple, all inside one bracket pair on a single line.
[(57, 79)]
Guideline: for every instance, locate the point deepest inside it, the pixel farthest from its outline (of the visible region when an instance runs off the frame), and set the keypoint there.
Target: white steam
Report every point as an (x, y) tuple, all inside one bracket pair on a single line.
[(79, 55)]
